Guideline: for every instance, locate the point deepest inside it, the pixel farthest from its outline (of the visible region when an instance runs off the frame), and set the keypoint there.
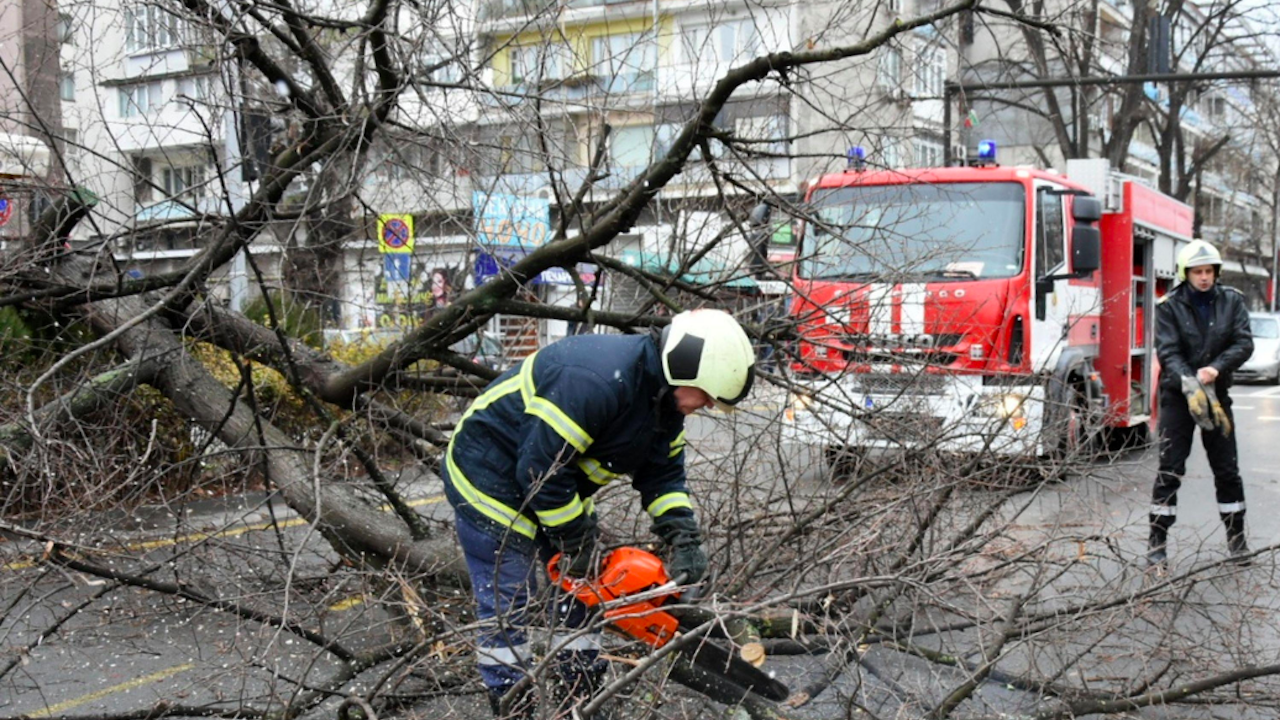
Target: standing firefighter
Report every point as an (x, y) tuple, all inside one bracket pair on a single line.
[(544, 437), (1202, 336)]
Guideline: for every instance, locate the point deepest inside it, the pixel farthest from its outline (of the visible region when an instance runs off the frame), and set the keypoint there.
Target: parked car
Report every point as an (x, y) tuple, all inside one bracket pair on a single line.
[(483, 349), (1264, 363)]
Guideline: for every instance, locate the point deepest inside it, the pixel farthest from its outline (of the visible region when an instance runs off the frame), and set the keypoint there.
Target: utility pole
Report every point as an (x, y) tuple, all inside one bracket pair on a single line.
[(233, 176)]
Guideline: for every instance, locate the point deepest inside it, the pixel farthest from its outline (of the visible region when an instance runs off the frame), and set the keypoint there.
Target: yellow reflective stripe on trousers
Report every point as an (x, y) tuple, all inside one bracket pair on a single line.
[(547, 411), (667, 502), (595, 472), (489, 507), (561, 515), (677, 445)]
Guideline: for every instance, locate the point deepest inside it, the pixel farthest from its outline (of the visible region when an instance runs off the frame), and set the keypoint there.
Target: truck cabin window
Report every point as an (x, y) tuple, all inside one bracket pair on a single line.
[(916, 232)]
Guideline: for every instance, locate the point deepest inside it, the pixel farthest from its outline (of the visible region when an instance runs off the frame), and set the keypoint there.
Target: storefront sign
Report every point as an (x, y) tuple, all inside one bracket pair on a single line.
[(511, 221), (487, 267)]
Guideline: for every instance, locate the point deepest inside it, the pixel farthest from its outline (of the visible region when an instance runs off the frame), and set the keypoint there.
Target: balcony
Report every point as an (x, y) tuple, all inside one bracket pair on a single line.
[(498, 9), (576, 87)]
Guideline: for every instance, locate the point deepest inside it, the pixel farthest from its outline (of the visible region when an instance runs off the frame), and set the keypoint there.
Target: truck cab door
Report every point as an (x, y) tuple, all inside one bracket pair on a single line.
[(1050, 306)]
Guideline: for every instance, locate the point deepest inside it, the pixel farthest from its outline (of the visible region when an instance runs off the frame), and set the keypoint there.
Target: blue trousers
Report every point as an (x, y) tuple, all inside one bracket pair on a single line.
[(504, 577)]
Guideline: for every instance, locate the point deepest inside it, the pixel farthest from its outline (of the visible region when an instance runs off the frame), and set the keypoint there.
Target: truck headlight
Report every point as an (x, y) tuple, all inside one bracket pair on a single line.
[(1007, 406), (800, 402)]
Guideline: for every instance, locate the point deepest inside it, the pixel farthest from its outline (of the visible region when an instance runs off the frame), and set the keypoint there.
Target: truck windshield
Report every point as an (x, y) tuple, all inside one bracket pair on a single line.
[(962, 231)]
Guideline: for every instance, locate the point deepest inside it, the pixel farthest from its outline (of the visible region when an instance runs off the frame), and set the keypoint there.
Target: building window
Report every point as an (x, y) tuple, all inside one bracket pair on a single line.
[(183, 182), (631, 146), (625, 62), (538, 63), (65, 29), (449, 70), (138, 100), (929, 152), (931, 73), (889, 71), (891, 153), (772, 128), (194, 88), (726, 43), (147, 27), (142, 179), (67, 86)]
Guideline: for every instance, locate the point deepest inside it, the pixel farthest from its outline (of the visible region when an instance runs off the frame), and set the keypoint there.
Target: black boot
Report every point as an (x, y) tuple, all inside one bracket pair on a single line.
[(581, 675), (1157, 542), (1237, 546)]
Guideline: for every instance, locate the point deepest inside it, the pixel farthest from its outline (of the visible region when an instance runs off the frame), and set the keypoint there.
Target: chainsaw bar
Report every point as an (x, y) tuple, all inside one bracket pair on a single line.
[(713, 659)]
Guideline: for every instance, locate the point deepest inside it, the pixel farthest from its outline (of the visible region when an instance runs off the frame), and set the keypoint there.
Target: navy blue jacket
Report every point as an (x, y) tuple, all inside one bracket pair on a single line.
[(549, 433)]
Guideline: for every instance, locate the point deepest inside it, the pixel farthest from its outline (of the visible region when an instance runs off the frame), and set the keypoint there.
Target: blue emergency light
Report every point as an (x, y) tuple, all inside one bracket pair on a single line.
[(987, 151), (857, 157)]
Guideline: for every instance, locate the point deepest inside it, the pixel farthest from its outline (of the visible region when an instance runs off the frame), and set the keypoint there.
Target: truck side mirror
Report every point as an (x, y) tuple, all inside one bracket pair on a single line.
[(1086, 249), (1086, 209)]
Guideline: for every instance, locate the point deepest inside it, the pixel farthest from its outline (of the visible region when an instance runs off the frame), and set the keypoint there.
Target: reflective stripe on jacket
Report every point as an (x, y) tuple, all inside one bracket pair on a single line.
[(549, 433)]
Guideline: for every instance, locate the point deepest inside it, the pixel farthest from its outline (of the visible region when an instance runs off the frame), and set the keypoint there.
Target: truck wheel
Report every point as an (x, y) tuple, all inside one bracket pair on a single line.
[(842, 461), (1078, 432), (1124, 439)]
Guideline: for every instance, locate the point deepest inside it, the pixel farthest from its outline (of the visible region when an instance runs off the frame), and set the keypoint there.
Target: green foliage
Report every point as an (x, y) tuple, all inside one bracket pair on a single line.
[(297, 318)]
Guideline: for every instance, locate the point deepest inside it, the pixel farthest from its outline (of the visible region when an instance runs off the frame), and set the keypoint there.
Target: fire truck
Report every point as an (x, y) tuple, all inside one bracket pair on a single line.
[(979, 308)]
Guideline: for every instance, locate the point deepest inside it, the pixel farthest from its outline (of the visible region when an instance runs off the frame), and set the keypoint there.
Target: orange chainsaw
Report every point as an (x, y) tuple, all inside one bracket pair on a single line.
[(631, 589)]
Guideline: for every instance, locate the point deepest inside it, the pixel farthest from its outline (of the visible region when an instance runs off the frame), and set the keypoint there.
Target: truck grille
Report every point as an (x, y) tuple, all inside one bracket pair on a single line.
[(903, 427), (901, 384), (933, 358)]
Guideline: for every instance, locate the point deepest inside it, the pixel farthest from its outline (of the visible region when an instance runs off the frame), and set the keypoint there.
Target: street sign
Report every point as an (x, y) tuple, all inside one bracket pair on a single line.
[(6, 210), (395, 234)]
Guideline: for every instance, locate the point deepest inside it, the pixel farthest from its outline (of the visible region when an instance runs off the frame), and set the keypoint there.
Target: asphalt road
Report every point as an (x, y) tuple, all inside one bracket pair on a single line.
[(147, 652)]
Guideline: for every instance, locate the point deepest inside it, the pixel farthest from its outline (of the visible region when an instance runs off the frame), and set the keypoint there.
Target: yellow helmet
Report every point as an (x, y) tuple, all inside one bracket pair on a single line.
[(1195, 254), (708, 349)]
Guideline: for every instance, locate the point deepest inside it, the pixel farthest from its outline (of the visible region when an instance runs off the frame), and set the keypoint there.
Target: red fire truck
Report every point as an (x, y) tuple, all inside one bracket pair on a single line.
[(979, 308)]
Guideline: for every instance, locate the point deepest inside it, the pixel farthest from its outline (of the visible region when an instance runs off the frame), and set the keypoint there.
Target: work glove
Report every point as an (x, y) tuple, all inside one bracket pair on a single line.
[(687, 558), (1220, 416), (1205, 407), (578, 544)]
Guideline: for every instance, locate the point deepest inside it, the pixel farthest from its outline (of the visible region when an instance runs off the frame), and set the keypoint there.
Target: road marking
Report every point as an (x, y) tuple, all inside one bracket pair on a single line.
[(1268, 392), (122, 687), (1244, 407), (225, 533), (1269, 417)]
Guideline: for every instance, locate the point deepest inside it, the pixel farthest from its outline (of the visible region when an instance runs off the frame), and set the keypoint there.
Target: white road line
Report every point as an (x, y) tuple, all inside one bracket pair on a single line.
[(1243, 407), (1266, 392), (1269, 417)]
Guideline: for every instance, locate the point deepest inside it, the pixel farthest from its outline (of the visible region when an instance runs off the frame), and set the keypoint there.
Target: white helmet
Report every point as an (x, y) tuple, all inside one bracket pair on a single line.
[(1195, 254), (707, 349)]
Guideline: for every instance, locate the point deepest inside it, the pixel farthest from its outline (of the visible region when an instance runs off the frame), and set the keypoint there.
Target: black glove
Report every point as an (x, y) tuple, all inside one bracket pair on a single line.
[(578, 544), (687, 558)]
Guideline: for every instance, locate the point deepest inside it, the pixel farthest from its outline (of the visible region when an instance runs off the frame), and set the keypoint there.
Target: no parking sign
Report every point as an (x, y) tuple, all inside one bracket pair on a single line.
[(6, 210), (395, 234)]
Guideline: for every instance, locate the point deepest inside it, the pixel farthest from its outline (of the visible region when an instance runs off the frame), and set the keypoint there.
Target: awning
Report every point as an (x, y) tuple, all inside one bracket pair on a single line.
[(704, 272), (22, 155)]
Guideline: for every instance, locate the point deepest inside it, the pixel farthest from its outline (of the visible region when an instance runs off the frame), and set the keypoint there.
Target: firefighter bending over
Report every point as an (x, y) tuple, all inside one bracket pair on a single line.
[(543, 438), (1202, 336)]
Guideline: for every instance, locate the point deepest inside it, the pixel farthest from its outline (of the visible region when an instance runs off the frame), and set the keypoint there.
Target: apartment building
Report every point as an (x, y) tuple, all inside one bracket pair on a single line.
[(32, 83), (1204, 142)]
